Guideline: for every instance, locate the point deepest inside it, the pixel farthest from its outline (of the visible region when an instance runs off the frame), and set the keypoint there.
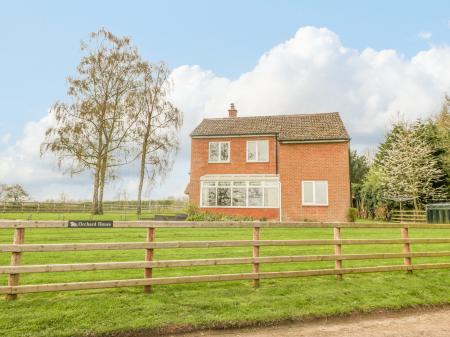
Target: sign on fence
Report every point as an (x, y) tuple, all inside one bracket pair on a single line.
[(90, 224)]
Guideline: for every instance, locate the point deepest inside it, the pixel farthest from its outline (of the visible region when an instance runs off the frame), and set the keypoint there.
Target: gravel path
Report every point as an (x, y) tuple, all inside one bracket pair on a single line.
[(423, 323)]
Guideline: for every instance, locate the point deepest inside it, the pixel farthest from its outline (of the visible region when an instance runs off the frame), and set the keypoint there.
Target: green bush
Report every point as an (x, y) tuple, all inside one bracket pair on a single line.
[(352, 214), (191, 209), (194, 214)]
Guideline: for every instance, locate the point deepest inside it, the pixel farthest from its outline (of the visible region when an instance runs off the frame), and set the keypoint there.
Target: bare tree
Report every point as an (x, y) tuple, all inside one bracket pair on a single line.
[(15, 193), (91, 132), (156, 127)]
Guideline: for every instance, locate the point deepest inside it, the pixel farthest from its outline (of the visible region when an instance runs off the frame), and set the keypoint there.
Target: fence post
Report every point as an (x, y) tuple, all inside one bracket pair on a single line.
[(148, 258), (256, 229), (337, 251), (406, 248), (13, 279)]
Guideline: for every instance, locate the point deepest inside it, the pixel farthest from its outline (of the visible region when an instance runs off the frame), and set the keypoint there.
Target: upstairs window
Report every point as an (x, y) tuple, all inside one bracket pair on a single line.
[(315, 193), (258, 151), (219, 152)]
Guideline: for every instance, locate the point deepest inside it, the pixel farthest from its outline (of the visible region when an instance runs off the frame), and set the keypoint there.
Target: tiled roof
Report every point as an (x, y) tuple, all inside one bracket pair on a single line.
[(305, 127)]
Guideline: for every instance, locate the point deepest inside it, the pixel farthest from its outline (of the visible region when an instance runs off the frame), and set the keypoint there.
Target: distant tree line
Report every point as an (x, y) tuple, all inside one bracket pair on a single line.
[(411, 168), (118, 113)]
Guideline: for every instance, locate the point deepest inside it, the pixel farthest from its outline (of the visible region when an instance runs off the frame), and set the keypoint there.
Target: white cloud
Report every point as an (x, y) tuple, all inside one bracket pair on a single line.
[(424, 35), (22, 163), (4, 139), (312, 72)]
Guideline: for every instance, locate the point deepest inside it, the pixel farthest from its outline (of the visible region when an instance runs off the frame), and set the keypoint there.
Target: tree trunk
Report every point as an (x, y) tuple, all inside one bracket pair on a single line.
[(95, 192), (416, 206), (141, 177), (97, 174), (102, 184)]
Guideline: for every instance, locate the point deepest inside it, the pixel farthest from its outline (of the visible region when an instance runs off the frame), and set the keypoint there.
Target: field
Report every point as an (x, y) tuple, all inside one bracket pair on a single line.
[(82, 215), (71, 216), (209, 305)]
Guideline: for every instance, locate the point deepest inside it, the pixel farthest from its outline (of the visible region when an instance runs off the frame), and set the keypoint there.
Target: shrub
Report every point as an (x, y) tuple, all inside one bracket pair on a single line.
[(191, 209), (352, 214), (382, 213), (194, 214)]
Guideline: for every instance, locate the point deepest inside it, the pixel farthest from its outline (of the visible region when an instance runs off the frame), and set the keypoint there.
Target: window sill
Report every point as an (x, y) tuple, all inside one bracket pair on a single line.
[(315, 205), (219, 162)]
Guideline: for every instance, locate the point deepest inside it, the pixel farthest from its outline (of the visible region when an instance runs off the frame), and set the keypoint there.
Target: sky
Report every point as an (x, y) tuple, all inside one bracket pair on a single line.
[(369, 61)]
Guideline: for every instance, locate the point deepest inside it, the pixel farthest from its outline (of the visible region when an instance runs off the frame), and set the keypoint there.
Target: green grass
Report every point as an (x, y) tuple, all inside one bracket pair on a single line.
[(221, 304)]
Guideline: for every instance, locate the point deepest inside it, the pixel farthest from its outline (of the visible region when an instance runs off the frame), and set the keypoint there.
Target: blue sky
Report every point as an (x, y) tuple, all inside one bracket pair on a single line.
[(40, 45), (226, 39)]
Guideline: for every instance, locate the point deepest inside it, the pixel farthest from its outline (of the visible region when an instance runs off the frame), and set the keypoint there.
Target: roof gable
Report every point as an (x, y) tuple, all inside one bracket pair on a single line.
[(304, 127)]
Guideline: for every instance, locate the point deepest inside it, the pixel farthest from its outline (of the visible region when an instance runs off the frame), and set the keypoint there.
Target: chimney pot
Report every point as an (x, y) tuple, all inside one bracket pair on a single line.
[(232, 112)]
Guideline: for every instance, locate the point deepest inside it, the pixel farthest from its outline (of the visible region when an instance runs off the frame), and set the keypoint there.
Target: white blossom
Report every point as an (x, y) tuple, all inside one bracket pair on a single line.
[(409, 170)]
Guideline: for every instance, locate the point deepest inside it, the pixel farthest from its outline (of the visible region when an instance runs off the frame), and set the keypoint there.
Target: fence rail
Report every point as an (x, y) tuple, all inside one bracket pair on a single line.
[(82, 207), (18, 247), (409, 216)]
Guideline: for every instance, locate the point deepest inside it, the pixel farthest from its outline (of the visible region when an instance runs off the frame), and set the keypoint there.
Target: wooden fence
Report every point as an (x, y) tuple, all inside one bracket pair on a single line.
[(409, 216), (85, 207), (18, 247)]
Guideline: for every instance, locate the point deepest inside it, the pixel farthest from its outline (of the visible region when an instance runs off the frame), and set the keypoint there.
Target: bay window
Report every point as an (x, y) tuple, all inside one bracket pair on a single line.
[(209, 194), (248, 194), (255, 194), (239, 193), (270, 196), (223, 194)]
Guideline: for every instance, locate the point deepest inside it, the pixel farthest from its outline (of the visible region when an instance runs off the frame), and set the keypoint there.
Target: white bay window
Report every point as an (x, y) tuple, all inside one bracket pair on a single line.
[(223, 194), (209, 192), (241, 194)]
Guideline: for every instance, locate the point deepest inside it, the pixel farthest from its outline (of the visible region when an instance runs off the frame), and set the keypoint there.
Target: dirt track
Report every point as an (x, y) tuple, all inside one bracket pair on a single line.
[(425, 323)]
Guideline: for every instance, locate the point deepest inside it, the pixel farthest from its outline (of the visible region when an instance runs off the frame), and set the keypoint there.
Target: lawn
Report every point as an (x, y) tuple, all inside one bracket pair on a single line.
[(209, 305)]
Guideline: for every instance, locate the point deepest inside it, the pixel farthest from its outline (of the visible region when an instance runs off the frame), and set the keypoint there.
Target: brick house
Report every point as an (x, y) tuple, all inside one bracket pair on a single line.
[(285, 167)]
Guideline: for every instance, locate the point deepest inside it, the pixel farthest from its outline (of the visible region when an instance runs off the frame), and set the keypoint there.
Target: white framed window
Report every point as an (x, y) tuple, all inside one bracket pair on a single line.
[(315, 193), (240, 194), (219, 152), (258, 151)]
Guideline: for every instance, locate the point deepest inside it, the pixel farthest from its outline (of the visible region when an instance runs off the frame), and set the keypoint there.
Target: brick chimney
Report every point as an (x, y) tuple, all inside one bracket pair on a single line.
[(232, 112)]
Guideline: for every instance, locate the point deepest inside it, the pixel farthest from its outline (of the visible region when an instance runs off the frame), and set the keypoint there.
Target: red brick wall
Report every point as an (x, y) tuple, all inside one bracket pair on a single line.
[(297, 162), (237, 165), (316, 161)]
